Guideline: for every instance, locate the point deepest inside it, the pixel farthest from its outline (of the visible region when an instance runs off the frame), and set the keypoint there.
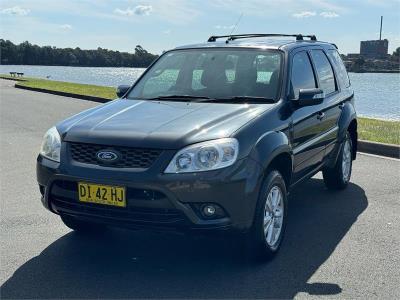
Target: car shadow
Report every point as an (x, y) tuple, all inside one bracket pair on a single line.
[(125, 264)]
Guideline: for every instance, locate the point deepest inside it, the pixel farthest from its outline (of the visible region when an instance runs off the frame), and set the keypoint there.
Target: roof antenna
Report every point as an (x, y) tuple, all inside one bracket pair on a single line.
[(235, 27)]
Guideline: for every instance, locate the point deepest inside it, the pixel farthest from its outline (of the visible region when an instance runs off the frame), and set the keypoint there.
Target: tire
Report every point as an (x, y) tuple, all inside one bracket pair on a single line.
[(269, 225), (80, 226), (338, 177)]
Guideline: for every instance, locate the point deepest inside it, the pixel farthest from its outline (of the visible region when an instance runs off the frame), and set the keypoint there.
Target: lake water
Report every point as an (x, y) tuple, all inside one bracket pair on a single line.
[(377, 94)]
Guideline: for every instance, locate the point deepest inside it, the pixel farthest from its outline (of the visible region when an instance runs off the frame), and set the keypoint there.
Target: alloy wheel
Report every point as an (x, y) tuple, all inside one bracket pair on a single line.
[(346, 161), (273, 216)]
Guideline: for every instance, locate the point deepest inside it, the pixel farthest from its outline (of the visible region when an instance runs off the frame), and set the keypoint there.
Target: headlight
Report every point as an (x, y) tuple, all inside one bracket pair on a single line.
[(51, 145), (206, 156)]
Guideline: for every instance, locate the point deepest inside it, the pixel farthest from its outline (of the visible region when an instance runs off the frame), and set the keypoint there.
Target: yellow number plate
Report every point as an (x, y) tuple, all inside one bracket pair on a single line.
[(102, 194)]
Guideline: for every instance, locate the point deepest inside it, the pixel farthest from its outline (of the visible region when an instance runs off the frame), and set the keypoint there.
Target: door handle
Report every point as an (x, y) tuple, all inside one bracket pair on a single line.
[(320, 115)]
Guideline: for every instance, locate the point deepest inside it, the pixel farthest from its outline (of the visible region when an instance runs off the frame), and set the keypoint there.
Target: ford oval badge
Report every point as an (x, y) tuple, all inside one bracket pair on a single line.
[(107, 156)]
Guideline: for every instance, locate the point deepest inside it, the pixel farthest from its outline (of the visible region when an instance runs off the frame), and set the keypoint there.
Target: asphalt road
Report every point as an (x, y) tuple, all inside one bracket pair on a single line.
[(339, 244)]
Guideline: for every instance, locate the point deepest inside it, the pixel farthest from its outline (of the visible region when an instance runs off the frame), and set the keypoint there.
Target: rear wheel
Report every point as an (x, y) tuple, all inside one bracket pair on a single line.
[(269, 225), (338, 177), (82, 226)]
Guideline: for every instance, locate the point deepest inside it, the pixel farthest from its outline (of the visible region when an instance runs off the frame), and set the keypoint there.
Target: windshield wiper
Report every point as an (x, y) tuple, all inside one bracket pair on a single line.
[(179, 97)]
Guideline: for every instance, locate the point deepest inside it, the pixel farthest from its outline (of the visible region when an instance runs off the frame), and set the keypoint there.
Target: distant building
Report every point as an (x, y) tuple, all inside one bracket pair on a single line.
[(374, 49)]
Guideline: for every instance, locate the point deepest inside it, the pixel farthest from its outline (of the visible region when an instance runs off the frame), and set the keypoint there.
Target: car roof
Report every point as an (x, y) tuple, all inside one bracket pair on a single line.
[(261, 43)]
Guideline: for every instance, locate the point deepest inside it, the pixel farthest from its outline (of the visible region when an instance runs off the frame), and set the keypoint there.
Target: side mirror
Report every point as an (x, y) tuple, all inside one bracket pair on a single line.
[(308, 97), (122, 89)]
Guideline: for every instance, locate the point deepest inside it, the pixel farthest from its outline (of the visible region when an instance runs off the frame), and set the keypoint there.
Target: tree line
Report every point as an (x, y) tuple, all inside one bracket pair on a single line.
[(28, 54)]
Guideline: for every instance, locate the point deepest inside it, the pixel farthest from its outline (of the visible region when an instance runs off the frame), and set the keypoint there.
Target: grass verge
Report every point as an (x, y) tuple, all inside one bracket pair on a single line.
[(67, 87), (375, 130), (368, 129)]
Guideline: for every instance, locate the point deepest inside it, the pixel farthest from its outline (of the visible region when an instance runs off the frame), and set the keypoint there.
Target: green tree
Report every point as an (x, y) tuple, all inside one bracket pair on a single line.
[(28, 54)]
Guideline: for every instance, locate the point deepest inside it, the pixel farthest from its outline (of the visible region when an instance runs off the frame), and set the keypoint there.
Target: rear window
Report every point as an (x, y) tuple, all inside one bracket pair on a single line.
[(343, 77), (324, 71)]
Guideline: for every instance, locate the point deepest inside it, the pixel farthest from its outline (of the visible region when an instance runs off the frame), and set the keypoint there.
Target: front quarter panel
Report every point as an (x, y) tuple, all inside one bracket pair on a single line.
[(270, 146), (266, 137)]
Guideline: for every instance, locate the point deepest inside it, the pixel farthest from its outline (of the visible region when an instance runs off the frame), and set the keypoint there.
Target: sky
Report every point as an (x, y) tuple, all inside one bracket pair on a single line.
[(164, 24)]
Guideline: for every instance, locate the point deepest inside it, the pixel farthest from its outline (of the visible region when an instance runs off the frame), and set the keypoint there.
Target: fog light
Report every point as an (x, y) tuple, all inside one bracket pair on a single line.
[(209, 210)]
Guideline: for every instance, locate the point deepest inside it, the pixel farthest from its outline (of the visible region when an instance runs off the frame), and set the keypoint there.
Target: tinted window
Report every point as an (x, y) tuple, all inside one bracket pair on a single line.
[(339, 66), (324, 71), (302, 73)]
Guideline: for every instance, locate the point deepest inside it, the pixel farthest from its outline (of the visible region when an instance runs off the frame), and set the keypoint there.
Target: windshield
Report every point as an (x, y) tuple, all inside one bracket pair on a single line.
[(212, 74)]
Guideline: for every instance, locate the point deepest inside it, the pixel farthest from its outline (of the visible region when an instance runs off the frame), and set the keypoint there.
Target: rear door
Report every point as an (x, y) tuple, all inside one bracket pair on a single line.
[(330, 113), (307, 149), (345, 92)]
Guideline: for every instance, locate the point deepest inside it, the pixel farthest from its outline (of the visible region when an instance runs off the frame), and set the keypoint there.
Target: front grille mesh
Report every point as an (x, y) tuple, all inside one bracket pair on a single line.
[(129, 157)]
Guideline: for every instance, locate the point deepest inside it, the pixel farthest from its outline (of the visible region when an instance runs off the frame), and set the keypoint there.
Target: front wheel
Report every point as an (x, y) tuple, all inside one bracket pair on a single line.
[(270, 218), (338, 177)]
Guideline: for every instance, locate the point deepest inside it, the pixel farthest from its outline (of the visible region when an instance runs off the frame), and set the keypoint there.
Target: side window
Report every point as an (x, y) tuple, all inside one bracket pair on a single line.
[(324, 71), (339, 66), (302, 73)]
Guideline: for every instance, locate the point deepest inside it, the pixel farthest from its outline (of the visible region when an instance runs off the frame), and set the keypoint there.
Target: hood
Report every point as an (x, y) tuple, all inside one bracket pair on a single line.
[(157, 124)]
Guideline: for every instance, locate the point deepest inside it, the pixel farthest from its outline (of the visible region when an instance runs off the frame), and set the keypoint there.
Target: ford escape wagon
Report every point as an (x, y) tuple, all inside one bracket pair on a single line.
[(211, 138)]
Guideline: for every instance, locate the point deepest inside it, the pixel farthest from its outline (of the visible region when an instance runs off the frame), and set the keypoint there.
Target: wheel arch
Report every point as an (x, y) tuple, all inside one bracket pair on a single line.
[(273, 151), (352, 129), (284, 164), (348, 123)]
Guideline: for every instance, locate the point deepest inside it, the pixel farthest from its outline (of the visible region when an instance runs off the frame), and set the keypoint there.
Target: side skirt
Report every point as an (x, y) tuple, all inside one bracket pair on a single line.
[(307, 176)]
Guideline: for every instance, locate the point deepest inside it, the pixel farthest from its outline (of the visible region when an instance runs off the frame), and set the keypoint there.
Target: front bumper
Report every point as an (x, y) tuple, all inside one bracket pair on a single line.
[(155, 200)]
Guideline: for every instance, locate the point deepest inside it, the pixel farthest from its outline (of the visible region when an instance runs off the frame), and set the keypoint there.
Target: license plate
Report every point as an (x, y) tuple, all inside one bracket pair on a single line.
[(102, 194)]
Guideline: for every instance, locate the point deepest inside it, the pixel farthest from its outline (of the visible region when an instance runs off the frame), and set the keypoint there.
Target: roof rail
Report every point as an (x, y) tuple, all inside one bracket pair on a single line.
[(232, 37)]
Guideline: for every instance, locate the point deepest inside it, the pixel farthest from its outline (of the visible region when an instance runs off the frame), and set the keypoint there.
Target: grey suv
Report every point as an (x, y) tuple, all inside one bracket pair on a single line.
[(211, 137)]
